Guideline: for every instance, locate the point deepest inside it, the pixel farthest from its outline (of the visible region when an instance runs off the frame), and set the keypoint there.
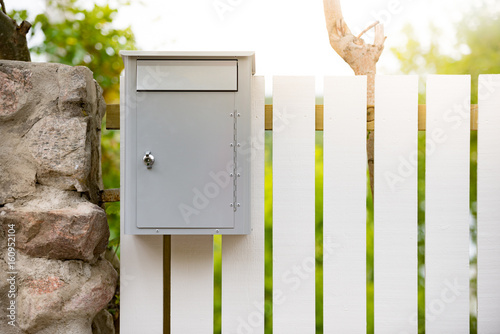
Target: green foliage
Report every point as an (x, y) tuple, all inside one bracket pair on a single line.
[(319, 231), (421, 231), (110, 164), (474, 52), (370, 248), (19, 15), (78, 36), (268, 205)]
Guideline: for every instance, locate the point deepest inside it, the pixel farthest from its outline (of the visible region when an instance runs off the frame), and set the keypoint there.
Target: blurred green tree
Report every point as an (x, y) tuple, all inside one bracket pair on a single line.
[(475, 51), (78, 36)]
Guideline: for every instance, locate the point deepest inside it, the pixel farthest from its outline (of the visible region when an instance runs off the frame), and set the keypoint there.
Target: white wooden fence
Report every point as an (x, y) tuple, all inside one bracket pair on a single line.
[(344, 264)]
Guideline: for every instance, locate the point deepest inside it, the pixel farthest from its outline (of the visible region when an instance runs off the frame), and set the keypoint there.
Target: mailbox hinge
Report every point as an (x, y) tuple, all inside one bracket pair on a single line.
[(235, 160)]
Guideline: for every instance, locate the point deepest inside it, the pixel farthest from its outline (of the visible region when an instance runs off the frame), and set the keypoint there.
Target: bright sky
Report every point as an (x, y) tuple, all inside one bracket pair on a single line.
[(289, 36)]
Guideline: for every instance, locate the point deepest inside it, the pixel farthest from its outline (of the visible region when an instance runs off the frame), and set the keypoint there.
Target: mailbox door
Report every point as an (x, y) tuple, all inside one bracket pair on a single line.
[(191, 137)]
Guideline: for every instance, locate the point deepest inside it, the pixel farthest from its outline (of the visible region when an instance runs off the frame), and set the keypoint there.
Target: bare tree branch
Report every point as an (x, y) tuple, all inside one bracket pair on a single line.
[(361, 56), (3, 7), (24, 27), (367, 29), (13, 44), (335, 24)]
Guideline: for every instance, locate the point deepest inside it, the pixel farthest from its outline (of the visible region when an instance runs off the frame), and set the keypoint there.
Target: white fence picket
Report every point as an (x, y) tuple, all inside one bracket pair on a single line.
[(395, 205), (141, 267), (293, 205), (141, 282), (447, 204), (243, 256), (344, 234), (192, 284), (344, 208), (488, 205)]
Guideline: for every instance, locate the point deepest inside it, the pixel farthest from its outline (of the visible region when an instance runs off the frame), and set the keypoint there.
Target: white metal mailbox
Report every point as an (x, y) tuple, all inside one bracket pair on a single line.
[(186, 135)]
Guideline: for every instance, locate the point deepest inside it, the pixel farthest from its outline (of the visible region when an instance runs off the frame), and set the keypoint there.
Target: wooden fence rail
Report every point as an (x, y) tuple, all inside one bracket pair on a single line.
[(113, 117), (185, 268)]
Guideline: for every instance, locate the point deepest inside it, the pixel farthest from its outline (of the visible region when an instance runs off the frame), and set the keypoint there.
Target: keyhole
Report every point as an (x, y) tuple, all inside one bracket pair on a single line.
[(148, 160)]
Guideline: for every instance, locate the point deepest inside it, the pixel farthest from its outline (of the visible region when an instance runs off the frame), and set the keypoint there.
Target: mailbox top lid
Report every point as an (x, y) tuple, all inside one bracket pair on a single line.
[(158, 55)]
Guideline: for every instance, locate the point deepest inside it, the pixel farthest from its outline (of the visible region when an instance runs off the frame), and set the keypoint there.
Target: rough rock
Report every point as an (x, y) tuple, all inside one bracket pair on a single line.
[(103, 323), (62, 296), (50, 183), (50, 120), (15, 182), (58, 148), (15, 84), (70, 233)]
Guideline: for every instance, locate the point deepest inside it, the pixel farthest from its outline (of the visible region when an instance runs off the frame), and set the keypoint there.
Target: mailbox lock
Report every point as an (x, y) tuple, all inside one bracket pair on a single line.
[(149, 160)]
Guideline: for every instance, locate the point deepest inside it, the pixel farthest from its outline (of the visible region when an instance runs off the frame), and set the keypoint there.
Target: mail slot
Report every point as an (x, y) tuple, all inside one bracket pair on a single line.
[(186, 135), (187, 75)]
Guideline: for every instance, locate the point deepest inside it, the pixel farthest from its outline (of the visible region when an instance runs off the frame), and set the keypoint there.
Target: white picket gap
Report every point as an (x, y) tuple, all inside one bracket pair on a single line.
[(396, 204), (243, 256), (293, 205), (192, 284), (488, 205), (447, 204), (344, 205)]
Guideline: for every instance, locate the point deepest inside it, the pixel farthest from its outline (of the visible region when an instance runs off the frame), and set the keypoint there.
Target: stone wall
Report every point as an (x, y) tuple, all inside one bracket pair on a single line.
[(50, 183)]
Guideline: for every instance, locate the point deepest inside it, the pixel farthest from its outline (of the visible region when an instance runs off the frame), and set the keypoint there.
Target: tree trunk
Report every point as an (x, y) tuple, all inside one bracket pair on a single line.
[(13, 45), (360, 56)]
